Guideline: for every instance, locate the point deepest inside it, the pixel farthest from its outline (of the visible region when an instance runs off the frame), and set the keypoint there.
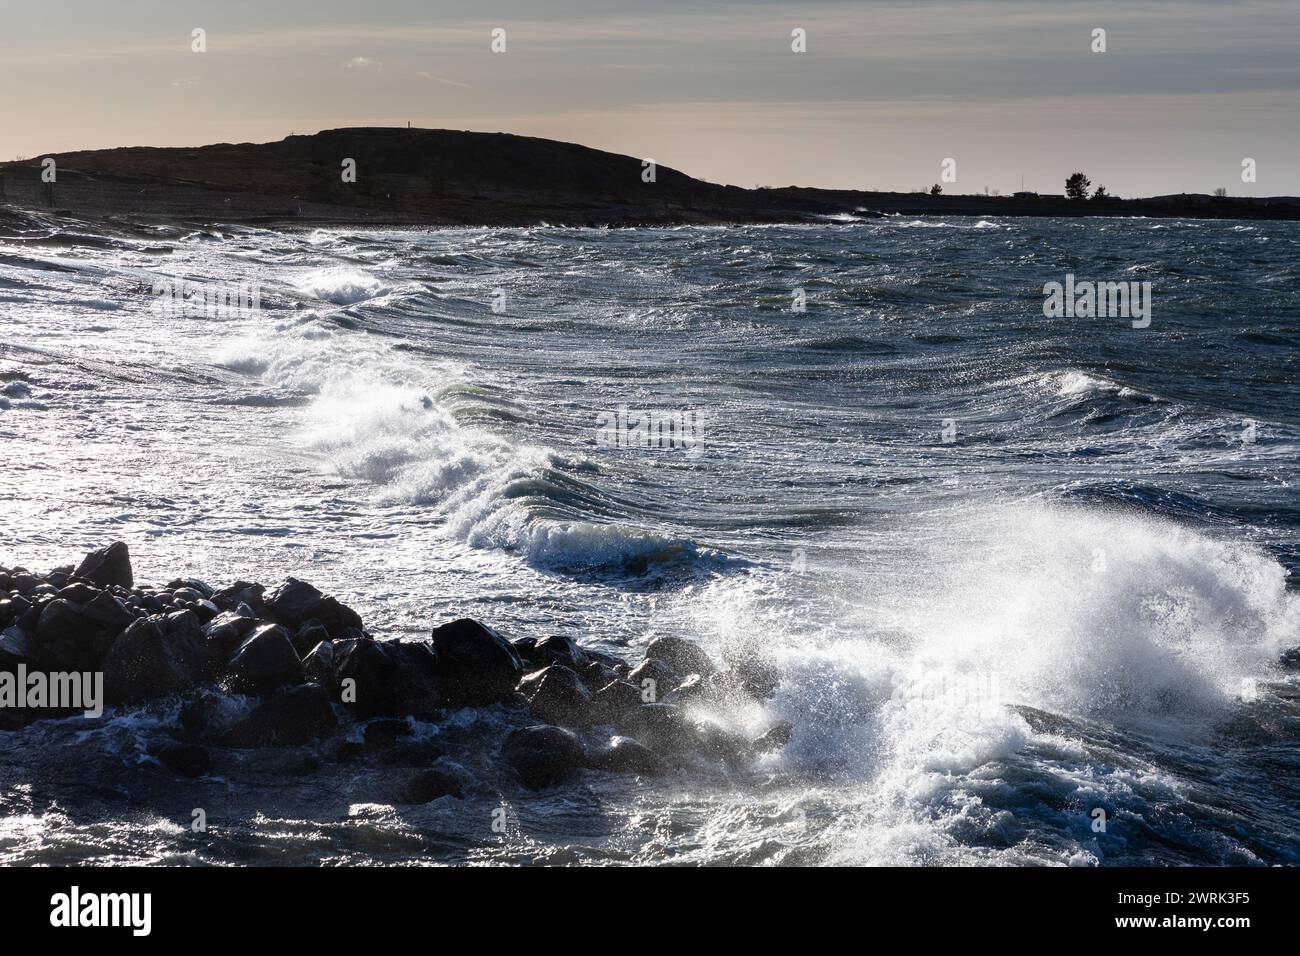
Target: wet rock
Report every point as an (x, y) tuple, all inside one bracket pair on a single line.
[(309, 634), (228, 629), (662, 727), (108, 566), (543, 756), (410, 753), (241, 592), (390, 678), (78, 593), (188, 760), (23, 583), (774, 738), (625, 755), (109, 611), (319, 665), (556, 649), (556, 695), (426, 785), (756, 677), (292, 717), (660, 676), (384, 732), (193, 584), (65, 636), (614, 700), (478, 665), (295, 602), (1291, 659), (264, 660), (718, 742), (683, 656), (17, 646), (146, 661)]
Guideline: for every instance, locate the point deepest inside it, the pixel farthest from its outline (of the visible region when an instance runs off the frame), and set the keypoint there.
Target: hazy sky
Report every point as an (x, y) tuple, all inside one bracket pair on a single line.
[(884, 93)]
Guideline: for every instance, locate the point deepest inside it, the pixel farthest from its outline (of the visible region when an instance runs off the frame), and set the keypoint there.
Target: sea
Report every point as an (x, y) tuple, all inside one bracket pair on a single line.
[(1026, 578)]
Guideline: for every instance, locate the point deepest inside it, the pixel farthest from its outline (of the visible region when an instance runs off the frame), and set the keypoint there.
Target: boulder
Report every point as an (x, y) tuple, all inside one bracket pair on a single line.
[(225, 632), (662, 727), (556, 649), (625, 755), (543, 756), (662, 679), (383, 733), (426, 785), (17, 646), (152, 658), (309, 634), (556, 695), (188, 760), (683, 656), (241, 592), (757, 677), (265, 660), (295, 602), (615, 699), (109, 611), (66, 637), (1291, 659), (479, 667), (108, 566), (319, 665), (78, 592), (390, 678), (294, 716)]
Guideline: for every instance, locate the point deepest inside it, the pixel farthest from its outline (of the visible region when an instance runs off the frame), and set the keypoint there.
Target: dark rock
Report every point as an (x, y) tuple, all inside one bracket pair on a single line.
[(1291, 659), (295, 602), (309, 634), (410, 753), (384, 732), (556, 649), (188, 760), (108, 566), (78, 593), (662, 679), (241, 592), (319, 665), (543, 756), (65, 637), (557, 696), (683, 656), (292, 717), (719, 743), (146, 662), (265, 660), (662, 727), (426, 785), (625, 755), (228, 629), (390, 678), (348, 750), (23, 583), (478, 665), (110, 612), (774, 738), (194, 584), (757, 677), (615, 699), (17, 646)]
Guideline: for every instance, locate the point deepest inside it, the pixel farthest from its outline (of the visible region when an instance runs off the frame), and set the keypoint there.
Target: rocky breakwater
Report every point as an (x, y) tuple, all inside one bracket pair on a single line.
[(305, 671)]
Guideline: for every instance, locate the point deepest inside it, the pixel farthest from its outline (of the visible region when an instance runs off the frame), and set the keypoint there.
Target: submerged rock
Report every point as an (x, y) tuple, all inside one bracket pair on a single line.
[(188, 760), (478, 666), (108, 566), (426, 785), (292, 717), (543, 756)]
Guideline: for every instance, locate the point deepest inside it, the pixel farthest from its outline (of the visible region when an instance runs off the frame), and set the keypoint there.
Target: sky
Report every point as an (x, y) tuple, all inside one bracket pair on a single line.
[(884, 93)]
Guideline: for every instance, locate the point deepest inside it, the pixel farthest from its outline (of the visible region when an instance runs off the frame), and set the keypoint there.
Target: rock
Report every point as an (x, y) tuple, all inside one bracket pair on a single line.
[(662, 679), (390, 678), (774, 738), (410, 753), (188, 760), (719, 743), (479, 667), (757, 677), (78, 593), (384, 732), (662, 727), (17, 646), (65, 637), (228, 629), (146, 662), (110, 612), (292, 717), (556, 695), (683, 656), (556, 649), (265, 660), (295, 602), (309, 634), (625, 755), (613, 700), (426, 785), (193, 584), (319, 665), (543, 756), (1291, 659), (241, 592), (108, 566)]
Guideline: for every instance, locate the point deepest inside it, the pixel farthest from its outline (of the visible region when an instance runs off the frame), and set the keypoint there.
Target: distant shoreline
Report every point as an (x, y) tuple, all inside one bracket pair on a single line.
[(431, 178)]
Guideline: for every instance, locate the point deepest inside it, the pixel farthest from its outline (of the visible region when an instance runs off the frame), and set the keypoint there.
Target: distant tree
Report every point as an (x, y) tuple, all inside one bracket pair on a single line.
[(1221, 192), (1076, 187), (1101, 193), (936, 189)]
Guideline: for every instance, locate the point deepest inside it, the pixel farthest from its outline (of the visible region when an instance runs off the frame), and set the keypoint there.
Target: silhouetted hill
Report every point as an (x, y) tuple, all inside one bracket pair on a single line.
[(450, 177)]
